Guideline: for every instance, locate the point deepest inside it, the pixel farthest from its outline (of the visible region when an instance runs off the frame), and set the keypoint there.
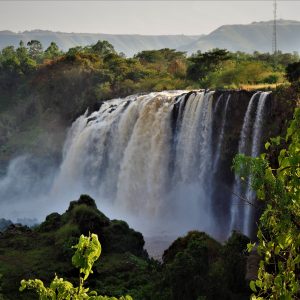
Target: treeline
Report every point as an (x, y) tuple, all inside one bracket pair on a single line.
[(150, 70), (43, 90)]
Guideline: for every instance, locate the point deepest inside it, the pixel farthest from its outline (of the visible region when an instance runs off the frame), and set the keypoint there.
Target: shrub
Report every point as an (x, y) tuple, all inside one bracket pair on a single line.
[(87, 252)]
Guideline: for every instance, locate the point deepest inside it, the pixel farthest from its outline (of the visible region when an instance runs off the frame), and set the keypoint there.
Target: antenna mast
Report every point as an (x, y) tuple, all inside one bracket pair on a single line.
[(274, 40)]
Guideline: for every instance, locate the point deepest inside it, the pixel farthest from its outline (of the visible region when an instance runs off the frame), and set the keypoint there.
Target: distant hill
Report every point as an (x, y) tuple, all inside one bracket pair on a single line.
[(255, 36), (126, 43)]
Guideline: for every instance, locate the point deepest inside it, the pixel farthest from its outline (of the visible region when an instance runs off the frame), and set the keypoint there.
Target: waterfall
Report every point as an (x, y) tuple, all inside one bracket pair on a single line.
[(156, 161), (144, 161), (249, 144), (221, 136), (255, 149)]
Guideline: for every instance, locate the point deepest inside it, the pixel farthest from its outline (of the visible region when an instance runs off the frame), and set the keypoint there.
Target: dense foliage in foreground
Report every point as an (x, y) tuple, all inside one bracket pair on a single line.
[(279, 225), (194, 266), (87, 252)]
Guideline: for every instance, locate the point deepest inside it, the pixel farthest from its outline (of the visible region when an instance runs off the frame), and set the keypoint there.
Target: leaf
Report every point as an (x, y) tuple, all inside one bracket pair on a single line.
[(250, 247), (258, 283), (252, 286)]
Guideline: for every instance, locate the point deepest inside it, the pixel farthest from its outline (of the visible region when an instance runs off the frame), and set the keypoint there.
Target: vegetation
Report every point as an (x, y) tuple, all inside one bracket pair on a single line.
[(278, 233), (198, 267), (87, 252), (42, 91), (196, 263)]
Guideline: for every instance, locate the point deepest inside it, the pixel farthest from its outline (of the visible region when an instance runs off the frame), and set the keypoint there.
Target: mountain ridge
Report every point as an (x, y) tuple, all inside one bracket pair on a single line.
[(256, 36)]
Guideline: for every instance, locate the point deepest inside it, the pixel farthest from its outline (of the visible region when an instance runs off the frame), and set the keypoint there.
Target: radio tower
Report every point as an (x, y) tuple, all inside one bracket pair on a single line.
[(274, 40)]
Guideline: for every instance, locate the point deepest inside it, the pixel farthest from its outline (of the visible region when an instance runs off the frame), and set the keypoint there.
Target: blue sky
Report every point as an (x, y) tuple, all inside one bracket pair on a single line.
[(141, 17)]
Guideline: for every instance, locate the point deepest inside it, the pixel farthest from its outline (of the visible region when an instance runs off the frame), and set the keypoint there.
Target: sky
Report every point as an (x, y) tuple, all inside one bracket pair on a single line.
[(138, 17)]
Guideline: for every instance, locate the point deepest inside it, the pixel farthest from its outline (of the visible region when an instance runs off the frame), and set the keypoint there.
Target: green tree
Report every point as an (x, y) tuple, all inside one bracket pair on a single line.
[(53, 51), (201, 64), (103, 48), (87, 252), (22, 51), (293, 72), (27, 64), (9, 60), (278, 232), (35, 49)]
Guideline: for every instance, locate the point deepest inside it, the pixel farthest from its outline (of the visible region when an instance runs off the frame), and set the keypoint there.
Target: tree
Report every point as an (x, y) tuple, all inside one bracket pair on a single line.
[(201, 64), (52, 51), (35, 49), (87, 252), (279, 225), (103, 48), (293, 72), (22, 51), (27, 64), (10, 62)]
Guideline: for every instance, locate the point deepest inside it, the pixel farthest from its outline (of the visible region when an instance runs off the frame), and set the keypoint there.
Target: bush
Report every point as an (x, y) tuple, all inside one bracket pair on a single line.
[(87, 252), (293, 72)]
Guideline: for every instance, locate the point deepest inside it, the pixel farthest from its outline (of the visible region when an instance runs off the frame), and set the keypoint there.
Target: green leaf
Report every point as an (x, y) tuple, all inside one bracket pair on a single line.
[(258, 283), (252, 286)]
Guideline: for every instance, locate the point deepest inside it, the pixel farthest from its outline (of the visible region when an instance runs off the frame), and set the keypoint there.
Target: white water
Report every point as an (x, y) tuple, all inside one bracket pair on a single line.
[(221, 136), (256, 143), (142, 163), (249, 144)]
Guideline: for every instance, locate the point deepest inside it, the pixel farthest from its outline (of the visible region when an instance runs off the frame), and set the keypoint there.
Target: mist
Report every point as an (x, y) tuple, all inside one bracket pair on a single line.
[(147, 159), (104, 155)]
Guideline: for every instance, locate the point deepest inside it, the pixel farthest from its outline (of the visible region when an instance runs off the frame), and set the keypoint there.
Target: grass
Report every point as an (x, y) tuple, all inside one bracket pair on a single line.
[(261, 86)]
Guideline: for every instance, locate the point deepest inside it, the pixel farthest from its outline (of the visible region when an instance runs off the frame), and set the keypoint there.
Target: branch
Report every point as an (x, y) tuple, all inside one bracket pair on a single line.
[(288, 167), (247, 201)]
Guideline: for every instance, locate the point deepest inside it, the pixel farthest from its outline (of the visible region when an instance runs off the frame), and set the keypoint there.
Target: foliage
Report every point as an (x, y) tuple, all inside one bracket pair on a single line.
[(194, 265), (122, 269), (87, 252), (278, 232), (35, 49), (293, 72), (235, 257), (204, 63), (52, 51), (198, 267), (42, 91)]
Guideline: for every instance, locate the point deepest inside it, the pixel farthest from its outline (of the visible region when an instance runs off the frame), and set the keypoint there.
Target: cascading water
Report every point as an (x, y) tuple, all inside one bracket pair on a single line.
[(249, 144), (155, 160), (133, 154), (221, 136)]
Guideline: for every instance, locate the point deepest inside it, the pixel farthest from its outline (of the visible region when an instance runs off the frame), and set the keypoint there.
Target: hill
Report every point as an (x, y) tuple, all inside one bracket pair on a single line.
[(256, 36), (126, 43)]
